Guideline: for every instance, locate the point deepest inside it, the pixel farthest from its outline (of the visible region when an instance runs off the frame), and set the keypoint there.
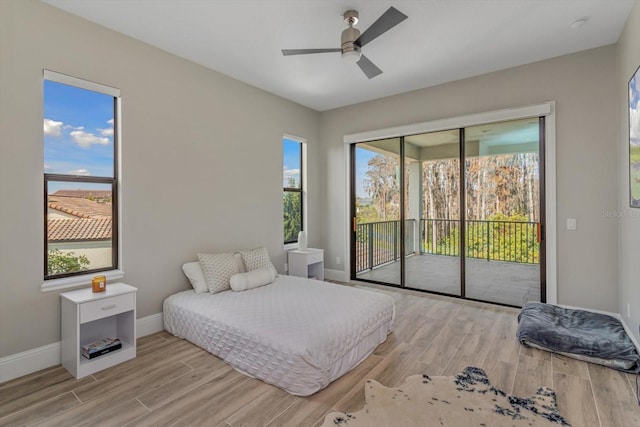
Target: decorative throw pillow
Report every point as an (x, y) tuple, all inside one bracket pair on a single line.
[(196, 277), (240, 263), (256, 259), (252, 279), (218, 269)]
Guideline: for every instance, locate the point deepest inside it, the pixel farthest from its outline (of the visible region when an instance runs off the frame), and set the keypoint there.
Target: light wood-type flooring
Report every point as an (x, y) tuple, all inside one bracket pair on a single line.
[(172, 382)]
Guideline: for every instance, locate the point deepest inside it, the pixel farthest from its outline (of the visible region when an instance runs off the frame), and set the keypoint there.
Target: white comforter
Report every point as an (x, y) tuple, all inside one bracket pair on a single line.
[(295, 333)]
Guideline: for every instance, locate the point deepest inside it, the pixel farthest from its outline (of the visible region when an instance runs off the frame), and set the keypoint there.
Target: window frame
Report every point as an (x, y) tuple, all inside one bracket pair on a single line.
[(114, 271), (302, 190)]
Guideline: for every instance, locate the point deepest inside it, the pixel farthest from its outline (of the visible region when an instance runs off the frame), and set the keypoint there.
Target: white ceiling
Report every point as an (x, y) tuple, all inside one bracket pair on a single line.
[(442, 41)]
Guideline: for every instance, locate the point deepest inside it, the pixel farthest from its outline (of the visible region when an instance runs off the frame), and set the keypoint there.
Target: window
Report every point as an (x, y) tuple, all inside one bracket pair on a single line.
[(293, 161), (80, 176)]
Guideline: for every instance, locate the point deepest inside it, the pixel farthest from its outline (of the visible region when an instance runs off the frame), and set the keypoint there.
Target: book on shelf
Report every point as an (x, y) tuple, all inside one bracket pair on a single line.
[(100, 347)]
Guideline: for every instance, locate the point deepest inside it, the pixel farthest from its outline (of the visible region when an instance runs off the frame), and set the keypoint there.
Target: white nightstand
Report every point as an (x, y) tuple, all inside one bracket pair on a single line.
[(308, 263), (88, 317)]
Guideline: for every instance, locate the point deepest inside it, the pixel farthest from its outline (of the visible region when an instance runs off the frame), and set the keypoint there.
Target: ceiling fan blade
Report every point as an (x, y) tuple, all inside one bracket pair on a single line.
[(287, 52), (387, 21), (368, 67)]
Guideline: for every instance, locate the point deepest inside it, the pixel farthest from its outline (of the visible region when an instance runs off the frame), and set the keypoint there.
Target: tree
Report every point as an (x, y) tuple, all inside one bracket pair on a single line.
[(381, 184), (65, 262), (292, 202)]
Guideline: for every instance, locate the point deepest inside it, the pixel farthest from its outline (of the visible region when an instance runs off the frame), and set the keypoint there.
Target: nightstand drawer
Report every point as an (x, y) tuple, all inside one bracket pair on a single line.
[(314, 257), (106, 307)]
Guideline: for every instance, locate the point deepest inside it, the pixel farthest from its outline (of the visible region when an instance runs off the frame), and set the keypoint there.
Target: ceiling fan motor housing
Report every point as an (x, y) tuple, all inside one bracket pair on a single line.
[(350, 50)]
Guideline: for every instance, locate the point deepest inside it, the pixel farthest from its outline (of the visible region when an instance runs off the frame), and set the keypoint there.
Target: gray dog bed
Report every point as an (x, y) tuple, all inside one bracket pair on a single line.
[(583, 335)]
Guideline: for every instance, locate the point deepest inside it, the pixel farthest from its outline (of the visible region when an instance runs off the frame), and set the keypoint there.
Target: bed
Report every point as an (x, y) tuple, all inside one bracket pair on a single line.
[(295, 333)]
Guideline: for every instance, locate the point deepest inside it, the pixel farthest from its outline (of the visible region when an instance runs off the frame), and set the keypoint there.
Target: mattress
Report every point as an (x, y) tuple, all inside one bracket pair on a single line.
[(297, 334)]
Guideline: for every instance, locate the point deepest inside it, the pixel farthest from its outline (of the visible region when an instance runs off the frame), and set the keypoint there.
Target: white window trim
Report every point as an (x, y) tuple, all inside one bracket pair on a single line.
[(546, 109), (116, 274), (303, 141)]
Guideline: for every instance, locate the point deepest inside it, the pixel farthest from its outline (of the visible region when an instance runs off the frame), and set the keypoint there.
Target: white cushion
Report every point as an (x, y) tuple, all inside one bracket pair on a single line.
[(255, 259), (196, 277), (218, 269), (240, 263), (252, 279)]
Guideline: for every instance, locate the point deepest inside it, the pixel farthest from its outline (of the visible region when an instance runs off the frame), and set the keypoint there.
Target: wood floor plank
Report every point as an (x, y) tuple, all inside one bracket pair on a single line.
[(575, 399), (104, 416), (502, 375), (22, 395), (41, 411), (206, 395), (262, 410), (616, 403), (570, 366), (122, 393), (532, 373), (191, 380)]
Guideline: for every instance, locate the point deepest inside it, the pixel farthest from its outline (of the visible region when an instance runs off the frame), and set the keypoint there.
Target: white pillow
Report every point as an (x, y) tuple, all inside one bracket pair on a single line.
[(240, 263), (218, 269), (196, 277), (252, 279), (256, 259)]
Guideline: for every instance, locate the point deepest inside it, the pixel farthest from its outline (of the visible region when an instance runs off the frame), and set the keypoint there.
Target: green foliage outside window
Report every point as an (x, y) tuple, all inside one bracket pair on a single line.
[(65, 262), (292, 203)]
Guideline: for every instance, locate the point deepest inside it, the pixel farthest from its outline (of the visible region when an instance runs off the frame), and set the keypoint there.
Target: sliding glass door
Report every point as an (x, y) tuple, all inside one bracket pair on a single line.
[(463, 216), (377, 205), (433, 161), (503, 215)]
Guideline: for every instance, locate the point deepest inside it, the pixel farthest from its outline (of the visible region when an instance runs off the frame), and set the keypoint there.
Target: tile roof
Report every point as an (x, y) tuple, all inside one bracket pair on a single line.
[(80, 207), (92, 219), (84, 194), (72, 230)]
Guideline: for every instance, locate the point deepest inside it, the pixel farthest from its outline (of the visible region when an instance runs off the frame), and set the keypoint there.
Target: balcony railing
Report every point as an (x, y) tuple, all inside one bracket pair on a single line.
[(377, 243)]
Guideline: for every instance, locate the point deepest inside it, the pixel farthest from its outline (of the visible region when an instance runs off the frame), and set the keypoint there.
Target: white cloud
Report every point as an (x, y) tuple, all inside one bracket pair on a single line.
[(291, 172), (634, 125), (79, 172), (86, 139), (106, 132), (52, 128)]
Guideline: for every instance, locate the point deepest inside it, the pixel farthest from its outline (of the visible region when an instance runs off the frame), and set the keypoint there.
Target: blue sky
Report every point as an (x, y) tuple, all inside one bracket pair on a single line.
[(634, 109), (78, 131), (362, 166), (291, 161)]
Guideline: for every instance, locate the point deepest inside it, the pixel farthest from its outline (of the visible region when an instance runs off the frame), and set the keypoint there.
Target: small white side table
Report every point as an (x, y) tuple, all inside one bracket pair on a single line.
[(308, 263), (88, 317)]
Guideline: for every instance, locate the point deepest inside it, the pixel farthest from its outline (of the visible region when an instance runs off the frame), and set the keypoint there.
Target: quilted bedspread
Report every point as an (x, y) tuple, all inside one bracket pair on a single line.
[(290, 333)]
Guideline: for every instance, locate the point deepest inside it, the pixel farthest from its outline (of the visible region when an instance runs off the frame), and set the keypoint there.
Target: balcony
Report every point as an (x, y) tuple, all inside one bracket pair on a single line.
[(501, 265)]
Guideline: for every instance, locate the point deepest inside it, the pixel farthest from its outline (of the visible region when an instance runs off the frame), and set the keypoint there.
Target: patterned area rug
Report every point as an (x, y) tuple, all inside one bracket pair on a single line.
[(465, 400)]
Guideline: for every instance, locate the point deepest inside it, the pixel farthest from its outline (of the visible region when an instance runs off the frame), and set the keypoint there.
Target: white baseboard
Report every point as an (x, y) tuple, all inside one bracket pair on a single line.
[(27, 362), (149, 325), (337, 275)]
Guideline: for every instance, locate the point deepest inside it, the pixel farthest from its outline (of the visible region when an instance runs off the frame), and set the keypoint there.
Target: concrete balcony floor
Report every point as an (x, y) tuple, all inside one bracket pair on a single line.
[(494, 281)]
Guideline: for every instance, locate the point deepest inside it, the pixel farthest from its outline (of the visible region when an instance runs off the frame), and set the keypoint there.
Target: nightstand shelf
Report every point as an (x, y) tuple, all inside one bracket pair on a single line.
[(88, 317), (307, 263)]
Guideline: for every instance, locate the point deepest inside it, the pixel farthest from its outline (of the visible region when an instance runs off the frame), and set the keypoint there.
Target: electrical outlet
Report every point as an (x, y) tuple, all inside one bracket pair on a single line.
[(338, 260), (571, 224)]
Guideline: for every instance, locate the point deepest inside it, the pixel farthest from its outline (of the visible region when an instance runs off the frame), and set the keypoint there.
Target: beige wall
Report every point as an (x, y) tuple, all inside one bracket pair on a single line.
[(629, 219), (584, 88), (201, 162)]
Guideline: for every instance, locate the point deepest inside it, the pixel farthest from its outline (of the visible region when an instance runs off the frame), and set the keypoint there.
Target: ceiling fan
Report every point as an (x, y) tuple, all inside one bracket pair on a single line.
[(353, 41)]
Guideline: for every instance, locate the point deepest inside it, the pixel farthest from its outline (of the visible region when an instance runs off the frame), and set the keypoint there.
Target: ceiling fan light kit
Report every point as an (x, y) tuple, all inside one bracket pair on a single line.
[(352, 41)]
